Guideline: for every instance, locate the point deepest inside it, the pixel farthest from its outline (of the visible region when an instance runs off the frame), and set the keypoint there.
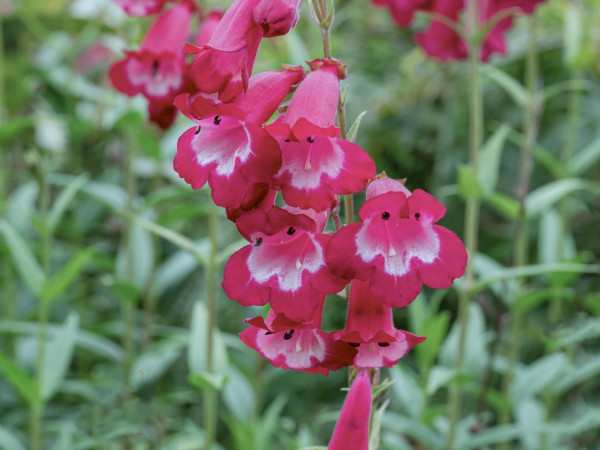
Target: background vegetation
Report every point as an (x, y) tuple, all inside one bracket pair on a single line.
[(104, 251)]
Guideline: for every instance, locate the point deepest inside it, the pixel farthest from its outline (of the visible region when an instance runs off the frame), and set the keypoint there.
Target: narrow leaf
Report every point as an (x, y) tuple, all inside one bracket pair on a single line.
[(353, 132), (25, 262), (20, 380), (468, 184), (63, 279), (544, 197), (64, 200), (585, 158), (489, 162), (512, 87), (58, 356)]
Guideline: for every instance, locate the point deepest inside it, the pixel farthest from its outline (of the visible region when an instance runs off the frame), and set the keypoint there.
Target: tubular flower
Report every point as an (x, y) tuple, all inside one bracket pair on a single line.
[(403, 11), (370, 329), (352, 428), (157, 70), (229, 148), (315, 165), (284, 265), (224, 65), (141, 7), (398, 246), (443, 43), (295, 345)]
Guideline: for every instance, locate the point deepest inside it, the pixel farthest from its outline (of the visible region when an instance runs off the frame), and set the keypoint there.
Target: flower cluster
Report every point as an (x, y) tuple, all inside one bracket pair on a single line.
[(443, 42), (248, 143)]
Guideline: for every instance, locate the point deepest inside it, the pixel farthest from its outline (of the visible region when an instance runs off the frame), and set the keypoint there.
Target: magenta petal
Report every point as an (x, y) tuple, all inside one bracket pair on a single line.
[(307, 349), (238, 283), (352, 428), (169, 32), (185, 163)]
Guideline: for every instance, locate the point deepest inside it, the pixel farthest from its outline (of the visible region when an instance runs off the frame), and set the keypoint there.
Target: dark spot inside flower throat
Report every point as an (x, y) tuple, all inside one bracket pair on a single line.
[(198, 130), (417, 216), (288, 335), (354, 344), (310, 139), (385, 215), (258, 242), (291, 231), (217, 120), (383, 344), (268, 333), (155, 65), (287, 140)]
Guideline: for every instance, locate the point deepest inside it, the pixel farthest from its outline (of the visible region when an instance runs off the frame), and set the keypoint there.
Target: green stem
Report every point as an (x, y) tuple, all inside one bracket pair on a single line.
[(10, 307), (37, 409), (210, 397), (568, 151), (128, 305), (520, 244), (471, 214)]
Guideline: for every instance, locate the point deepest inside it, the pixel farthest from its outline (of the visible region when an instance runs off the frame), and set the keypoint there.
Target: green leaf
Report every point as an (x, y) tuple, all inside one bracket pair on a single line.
[(63, 279), (205, 381), (489, 161), (123, 289), (573, 33), (544, 197), (353, 131), (585, 158), (155, 361), (504, 204), (435, 330), (513, 88), (532, 299), (468, 185), (375, 426), (408, 392), (581, 373), (64, 200), (532, 379), (530, 414), (20, 380), (57, 357), (25, 262), (238, 395), (9, 441), (198, 341)]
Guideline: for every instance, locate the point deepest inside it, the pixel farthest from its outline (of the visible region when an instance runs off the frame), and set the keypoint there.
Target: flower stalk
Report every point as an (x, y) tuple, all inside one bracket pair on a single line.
[(520, 244), (476, 119), (212, 281)]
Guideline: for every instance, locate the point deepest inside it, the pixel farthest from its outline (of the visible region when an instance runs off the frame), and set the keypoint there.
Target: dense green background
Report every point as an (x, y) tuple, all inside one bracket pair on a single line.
[(70, 216)]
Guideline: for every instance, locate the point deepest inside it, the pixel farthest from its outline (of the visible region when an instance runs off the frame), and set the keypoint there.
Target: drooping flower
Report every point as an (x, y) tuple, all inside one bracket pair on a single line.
[(398, 246), (141, 7), (224, 65), (370, 329), (295, 345), (352, 428), (444, 43), (157, 69), (284, 265), (229, 148), (316, 166), (403, 11)]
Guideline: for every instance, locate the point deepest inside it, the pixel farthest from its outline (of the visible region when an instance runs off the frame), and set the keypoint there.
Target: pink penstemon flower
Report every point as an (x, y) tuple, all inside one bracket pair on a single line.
[(157, 69), (297, 345), (370, 329), (398, 246), (229, 148), (284, 265), (316, 166)]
